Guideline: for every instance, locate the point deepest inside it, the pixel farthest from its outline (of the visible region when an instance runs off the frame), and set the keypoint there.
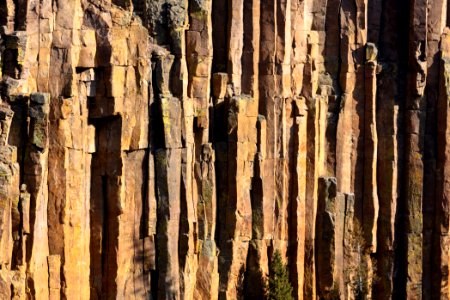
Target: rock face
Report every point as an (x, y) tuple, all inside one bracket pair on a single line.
[(165, 149)]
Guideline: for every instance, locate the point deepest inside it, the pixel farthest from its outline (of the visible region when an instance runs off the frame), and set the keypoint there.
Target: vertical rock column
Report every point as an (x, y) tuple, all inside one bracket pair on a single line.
[(343, 132), (105, 210), (242, 148), (262, 218), (207, 285), (350, 131), (12, 277), (221, 107), (441, 225), (9, 194), (35, 177), (269, 88), (117, 92), (348, 245), (389, 151), (297, 238), (54, 276), (24, 231), (370, 205), (72, 140), (329, 237), (317, 108), (262, 206), (236, 43), (69, 162), (41, 56), (39, 46), (201, 209), (14, 215), (250, 55), (436, 22), (168, 180), (415, 116), (130, 49), (281, 127)]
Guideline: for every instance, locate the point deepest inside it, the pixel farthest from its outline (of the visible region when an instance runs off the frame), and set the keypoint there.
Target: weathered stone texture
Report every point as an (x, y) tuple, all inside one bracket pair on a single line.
[(165, 149)]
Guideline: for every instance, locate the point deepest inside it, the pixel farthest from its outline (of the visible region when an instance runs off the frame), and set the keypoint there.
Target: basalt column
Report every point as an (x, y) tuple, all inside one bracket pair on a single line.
[(440, 239), (166, 149), (415, 117), (35, 177)]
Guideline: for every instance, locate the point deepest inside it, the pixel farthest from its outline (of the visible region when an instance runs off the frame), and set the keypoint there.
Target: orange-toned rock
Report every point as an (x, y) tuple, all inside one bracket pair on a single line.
[(166, 148)]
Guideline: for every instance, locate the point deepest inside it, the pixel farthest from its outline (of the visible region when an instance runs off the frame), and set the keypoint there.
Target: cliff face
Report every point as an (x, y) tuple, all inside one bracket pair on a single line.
[(165, 149)]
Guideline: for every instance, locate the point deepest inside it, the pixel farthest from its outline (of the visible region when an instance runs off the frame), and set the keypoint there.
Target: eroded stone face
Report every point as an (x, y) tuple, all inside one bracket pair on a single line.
[(165, 149)]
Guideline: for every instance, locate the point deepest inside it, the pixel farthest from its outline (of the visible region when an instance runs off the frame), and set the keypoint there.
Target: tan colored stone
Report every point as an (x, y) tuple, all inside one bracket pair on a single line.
[(220, 81), (170, 147), (88, 49)]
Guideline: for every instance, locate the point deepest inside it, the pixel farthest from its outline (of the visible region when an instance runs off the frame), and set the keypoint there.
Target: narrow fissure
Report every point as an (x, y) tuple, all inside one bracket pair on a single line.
[(400, 247), (104, 233)]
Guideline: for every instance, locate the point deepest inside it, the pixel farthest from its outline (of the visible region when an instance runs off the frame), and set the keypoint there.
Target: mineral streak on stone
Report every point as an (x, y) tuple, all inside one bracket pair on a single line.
[(165, 149)]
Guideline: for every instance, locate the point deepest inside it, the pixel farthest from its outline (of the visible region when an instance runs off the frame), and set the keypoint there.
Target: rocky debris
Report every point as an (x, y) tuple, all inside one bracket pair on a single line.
[(166, 149)]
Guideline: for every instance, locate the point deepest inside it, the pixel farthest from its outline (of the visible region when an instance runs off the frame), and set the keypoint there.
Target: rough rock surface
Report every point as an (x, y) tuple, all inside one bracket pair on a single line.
[(165, 149)]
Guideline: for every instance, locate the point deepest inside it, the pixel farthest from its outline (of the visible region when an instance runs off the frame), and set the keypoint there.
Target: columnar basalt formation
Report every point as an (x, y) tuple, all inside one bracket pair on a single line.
[(165, 149)]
